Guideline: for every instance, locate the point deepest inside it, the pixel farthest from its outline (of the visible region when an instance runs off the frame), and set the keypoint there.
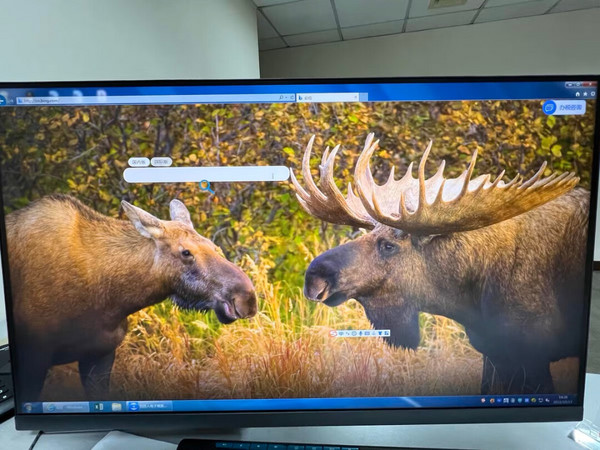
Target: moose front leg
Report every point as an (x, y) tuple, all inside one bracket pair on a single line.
[(509, 377), (95, 375)]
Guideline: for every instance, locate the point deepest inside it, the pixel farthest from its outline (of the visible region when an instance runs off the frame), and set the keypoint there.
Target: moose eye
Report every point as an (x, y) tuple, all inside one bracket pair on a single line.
[(386, 247), (186, 253)]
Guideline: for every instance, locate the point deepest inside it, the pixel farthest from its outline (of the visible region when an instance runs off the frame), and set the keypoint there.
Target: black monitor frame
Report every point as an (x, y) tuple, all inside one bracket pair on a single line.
[(213, 420)]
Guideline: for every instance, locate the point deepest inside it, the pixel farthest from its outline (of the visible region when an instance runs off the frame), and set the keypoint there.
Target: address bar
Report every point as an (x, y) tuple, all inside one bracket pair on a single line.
[(157, 99), (211, 174)]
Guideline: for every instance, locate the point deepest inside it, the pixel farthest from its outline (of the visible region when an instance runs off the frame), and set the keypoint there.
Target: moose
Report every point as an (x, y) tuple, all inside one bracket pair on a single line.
[(76, 275), (505, 260)]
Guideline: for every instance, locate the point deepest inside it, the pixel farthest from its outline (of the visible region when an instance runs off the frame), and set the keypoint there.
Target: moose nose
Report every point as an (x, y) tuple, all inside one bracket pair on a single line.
[(244, 302), (319, 279)]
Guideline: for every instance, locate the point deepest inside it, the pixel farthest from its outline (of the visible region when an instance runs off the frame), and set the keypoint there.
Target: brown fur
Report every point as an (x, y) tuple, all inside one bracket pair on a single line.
[(516, 286), (76, 275)]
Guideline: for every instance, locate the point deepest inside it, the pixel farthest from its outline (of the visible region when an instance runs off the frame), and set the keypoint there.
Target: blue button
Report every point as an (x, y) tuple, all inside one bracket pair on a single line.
[(277, 447), (242, 445), (349, 448), (258, 446), (222, 445), (2, 100), (549, 107), (295, 447), (313, 447), (326, 447), (133, 406)]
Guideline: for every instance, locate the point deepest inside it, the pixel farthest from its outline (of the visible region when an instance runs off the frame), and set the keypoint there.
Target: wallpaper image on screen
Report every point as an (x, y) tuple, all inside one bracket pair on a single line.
[(306, 288)]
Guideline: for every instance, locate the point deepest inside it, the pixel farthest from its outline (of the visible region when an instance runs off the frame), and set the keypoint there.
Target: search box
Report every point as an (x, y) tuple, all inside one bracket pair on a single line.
[(230, 174)]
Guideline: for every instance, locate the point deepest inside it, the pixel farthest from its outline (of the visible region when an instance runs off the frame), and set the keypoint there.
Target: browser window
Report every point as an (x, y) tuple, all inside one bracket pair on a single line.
[(288, 247)]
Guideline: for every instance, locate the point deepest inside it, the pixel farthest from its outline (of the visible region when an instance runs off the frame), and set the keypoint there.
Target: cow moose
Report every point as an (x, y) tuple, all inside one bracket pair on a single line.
[(76, 275), (505, 260)]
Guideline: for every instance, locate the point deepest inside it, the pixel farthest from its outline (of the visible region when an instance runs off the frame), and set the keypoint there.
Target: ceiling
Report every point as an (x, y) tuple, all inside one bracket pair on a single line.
[(293, 23)]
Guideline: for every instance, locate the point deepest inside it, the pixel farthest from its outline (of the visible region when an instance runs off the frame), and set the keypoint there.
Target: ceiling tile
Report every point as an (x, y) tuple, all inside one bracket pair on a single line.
[(571, 5), (360, 12), (301, 17), (374, 29), (318, 37), (271, 43), (514, 11), (265, 30), (440, 21), (494, 3), (261, 3), (420, 8)]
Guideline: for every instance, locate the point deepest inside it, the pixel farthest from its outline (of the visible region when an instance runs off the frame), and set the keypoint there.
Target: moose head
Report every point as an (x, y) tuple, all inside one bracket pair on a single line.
[(196, 273), (423, 252)]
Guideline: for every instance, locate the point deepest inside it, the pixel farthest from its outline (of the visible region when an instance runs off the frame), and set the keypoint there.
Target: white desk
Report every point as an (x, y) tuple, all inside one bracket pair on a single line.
[(483, 436)]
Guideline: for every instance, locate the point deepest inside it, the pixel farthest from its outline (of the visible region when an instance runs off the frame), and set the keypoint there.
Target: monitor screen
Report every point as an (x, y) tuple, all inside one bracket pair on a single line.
[(277, 247)]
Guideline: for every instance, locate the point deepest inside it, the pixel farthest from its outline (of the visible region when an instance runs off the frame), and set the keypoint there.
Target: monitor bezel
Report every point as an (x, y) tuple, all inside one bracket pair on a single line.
[(278, 418)]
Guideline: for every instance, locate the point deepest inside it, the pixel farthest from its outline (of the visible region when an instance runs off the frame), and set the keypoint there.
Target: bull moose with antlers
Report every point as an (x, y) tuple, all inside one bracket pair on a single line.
[(505, 260)]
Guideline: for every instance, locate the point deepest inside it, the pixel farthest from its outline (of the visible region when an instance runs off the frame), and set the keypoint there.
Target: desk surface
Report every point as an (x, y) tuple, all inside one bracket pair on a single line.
[(483, 436)]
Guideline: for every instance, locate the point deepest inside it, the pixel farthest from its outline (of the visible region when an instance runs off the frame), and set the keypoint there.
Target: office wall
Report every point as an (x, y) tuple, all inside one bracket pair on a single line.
[(553, 44), (132, 39), (566, 43)]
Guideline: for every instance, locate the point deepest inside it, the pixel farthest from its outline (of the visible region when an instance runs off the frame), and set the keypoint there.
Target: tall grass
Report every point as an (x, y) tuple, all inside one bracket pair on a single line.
[(285, 351)]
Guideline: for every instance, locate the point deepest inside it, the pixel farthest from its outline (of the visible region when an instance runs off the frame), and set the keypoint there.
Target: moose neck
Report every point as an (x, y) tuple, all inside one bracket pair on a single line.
[(123, 263), (456, 264)]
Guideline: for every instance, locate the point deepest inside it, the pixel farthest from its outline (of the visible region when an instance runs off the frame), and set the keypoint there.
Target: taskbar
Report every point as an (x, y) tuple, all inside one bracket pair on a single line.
[(291, 404)]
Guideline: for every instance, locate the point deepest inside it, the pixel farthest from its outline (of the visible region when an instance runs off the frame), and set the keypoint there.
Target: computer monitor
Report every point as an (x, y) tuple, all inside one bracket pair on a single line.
[(298, 252)]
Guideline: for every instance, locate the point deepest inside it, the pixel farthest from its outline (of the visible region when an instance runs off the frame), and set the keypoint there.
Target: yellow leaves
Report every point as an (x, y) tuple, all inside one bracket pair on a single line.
[(556, 149), (85, 117), (39, 136), (548, 141), (193, 158), (104, 195)]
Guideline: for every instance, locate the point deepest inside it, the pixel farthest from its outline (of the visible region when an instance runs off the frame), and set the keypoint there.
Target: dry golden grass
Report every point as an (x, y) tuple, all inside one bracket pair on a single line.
[(285, 351)]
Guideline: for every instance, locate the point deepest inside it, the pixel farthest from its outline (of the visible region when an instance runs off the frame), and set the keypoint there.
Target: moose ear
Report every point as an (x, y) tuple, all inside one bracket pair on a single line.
[(147, 225), (422, 241), (180, 213)]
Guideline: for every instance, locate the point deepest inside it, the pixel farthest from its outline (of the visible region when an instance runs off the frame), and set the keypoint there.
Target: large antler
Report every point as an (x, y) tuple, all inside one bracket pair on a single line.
[(439, 206), (328, 203)]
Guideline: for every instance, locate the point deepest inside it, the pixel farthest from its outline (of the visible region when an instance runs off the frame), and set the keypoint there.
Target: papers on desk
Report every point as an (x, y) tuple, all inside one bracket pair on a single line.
[(117, 440)]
